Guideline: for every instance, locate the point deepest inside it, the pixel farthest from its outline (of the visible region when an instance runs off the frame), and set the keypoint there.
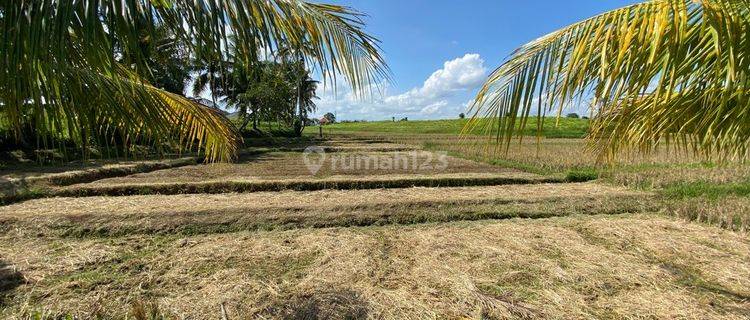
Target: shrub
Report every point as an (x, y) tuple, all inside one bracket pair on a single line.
[(582, 175)]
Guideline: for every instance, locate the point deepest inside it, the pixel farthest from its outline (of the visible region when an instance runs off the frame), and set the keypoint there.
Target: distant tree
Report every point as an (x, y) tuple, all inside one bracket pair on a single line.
[(572, 115), (330, 117), (258, 90), (210, 75), (404, 119), (305, 86), (461, 115)]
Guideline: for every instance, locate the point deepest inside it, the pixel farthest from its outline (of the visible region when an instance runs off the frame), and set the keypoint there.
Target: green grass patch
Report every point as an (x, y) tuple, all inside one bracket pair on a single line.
[(566, 128), (712, 191), (295, 185), (582, 175)]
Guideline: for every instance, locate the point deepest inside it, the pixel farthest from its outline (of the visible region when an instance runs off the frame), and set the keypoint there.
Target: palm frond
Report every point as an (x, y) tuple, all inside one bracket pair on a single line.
[(333, 35), (657, 71), (63, 60)]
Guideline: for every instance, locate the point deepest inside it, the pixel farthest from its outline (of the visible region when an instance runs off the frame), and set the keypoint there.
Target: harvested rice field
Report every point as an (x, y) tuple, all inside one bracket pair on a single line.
[(574, 267), (374, 160), (294, 165), (450, 237), (207, 213), (32, 170)]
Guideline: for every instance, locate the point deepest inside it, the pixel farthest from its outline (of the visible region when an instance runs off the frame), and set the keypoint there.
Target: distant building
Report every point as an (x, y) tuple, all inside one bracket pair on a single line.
[(324, 121)]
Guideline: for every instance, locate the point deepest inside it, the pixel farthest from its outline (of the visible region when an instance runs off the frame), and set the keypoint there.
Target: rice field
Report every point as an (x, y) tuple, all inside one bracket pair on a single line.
[(464, 237), (579, 266), (291, 165)]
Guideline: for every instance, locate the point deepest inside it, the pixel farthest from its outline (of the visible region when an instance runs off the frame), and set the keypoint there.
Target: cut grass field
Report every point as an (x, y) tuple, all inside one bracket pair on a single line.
[(546, 156), (292, 165), (28, 182), (229, 212), (573, 267), (276, 171), (265, 238), (669, 172)]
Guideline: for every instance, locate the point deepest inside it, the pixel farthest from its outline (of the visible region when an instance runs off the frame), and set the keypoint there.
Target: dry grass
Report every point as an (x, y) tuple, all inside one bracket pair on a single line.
[(662, 169), (551, 154), (585, 250), (334, 182), (62, 173), (731, 213), (287, 171), (291, 165), (23, 185), (198, 214), (660, 176), (632, 266)]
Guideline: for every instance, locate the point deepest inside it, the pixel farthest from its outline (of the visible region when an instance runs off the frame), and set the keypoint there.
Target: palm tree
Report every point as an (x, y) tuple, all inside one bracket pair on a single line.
[(61, 68), (167, 60), (255, 89), (294, 55), (662, 70), (308, 95), (211, 73)]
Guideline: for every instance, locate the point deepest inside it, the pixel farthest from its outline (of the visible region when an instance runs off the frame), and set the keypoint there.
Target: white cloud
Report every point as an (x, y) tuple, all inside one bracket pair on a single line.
[(459, 74), (433, 108), (435, 98)]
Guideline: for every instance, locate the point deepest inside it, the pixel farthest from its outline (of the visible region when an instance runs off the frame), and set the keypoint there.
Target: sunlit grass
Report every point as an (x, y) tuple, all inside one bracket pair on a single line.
[(566, 128)]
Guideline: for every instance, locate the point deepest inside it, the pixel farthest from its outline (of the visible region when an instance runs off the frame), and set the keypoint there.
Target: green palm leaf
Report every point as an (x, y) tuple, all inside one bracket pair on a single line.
[(663, 70), (63, 69)]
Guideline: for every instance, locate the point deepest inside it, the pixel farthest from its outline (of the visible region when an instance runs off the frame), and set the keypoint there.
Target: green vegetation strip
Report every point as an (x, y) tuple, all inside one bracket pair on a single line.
[(296, 185), (708, 190), (566, 128)]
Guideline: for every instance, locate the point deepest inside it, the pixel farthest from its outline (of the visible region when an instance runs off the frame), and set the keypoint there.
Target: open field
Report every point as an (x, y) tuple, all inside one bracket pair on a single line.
[(71, 174), (580, 266), (663, 167), (162, 160), (695, 186), (553, 127), (267, 238), (267, 166), (210, 213)]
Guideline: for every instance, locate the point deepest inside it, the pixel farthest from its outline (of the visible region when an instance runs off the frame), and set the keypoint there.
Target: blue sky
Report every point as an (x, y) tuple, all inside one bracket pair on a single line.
[(440, 51)]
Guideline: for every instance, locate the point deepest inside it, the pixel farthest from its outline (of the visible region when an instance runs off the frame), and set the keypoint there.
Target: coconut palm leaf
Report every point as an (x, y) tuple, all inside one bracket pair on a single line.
[(72, 67), (663, 70)]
